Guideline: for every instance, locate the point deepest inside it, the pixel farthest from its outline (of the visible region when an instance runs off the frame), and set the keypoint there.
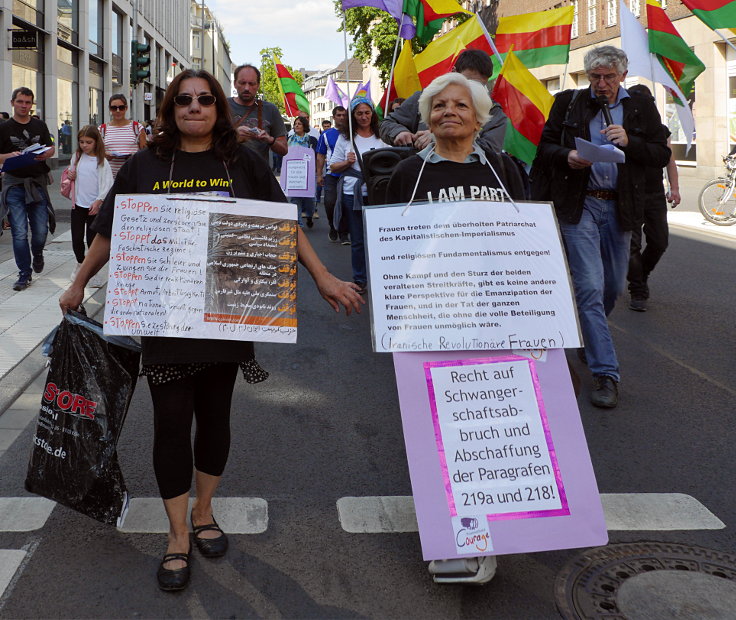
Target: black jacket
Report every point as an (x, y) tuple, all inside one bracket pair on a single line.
[(647, 147)]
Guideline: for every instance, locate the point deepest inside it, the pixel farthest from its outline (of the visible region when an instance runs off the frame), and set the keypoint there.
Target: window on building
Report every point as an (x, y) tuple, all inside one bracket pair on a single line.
[(553, 85), (68, 21), (575, 19), (116, 34), (612, 12), (96, 11), (592, 15), (635, 6), (195, 41), (30, 11)]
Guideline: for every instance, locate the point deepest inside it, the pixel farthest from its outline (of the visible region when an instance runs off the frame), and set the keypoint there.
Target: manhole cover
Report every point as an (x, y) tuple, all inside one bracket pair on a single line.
[(649, 580)]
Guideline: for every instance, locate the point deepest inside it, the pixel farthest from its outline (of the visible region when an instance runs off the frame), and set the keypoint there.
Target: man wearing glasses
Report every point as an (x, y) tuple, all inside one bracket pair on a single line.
[(599, 204), (258, 123)]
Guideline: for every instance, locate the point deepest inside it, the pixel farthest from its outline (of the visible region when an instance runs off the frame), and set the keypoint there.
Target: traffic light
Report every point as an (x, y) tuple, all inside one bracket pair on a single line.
[(139, 61)]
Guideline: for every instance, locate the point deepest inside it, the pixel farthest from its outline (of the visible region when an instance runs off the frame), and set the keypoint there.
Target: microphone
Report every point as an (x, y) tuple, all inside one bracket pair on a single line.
[(602, 101)]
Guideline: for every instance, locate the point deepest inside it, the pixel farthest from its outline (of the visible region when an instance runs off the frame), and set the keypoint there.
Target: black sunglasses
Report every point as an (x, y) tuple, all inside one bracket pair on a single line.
[(118, 108), (184, 100)]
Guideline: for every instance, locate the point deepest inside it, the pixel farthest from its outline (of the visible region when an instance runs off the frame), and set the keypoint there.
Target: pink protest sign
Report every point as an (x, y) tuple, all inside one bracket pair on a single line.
[(298, 173), (497, 454)]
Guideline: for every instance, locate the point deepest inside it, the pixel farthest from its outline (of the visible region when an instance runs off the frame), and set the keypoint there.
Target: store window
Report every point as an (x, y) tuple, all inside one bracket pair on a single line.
[(96, 107), (67, 82), (28, 70), (66, 108)]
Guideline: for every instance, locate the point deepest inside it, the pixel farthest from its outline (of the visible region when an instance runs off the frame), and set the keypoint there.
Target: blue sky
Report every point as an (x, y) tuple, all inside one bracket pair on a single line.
[(305, 29)]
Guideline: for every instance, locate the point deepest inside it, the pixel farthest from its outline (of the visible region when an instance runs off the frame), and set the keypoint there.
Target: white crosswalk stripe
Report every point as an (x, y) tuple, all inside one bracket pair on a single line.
[(10, 561), (24, 514), (146, 515), (235, 515), (624, 512)]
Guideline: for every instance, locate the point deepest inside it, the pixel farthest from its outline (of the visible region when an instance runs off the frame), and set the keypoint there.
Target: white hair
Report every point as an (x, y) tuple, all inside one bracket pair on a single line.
[(481, 99)]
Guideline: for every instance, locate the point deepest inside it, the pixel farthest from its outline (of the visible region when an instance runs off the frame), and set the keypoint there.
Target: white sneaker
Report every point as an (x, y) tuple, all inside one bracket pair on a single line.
[(97, 281), (468, 571), (75, 272)]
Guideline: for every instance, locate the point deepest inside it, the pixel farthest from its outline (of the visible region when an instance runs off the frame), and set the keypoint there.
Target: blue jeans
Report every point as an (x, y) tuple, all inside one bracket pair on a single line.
[(598, 255), (19, 215), (303, 204), (357, 239)]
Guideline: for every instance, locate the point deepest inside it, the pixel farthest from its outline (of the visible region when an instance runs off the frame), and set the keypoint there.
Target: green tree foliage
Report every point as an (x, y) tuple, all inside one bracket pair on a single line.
[(371, 30), (269, 83)]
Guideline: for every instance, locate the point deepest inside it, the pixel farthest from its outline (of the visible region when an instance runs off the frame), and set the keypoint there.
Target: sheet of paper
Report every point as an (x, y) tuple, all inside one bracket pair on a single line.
[(36, 149), (603, 153)]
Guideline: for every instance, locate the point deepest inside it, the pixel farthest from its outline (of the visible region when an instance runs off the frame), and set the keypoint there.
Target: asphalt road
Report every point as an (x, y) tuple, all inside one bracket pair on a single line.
[(326, 425)]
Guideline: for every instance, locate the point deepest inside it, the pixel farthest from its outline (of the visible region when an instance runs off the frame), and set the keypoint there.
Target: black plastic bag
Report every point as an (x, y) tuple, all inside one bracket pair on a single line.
[(88, 390)]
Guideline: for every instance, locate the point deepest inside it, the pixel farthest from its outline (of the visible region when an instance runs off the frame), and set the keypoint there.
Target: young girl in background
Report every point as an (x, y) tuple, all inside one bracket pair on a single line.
[(92, 178)]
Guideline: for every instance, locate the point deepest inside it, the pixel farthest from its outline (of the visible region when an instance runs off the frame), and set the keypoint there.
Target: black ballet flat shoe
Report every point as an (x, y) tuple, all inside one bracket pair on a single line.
[(174, 579), (210, 547)]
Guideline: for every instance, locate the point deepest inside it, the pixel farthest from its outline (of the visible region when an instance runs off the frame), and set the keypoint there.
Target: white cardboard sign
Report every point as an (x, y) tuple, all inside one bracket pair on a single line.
[(183, 265), (470, 275)]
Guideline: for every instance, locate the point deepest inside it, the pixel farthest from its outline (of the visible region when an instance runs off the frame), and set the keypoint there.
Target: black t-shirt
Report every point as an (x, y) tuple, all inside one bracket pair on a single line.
[(449, 181), (145, 173), (15, 136)]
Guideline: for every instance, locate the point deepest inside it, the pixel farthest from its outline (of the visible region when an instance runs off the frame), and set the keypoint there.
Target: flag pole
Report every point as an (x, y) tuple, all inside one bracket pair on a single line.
[(347, 74), (391, 73), (490, 39), (725, 40), (564, 76)]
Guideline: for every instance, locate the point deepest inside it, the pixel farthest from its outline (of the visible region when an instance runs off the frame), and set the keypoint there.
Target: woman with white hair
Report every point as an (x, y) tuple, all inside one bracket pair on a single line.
[(455, 167)]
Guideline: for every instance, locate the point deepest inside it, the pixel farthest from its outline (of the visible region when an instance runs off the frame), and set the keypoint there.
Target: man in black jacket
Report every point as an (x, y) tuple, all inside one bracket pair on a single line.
[(599, 204)]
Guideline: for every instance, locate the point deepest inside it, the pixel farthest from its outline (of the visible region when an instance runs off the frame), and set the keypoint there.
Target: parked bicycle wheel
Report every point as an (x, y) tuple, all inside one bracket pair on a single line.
[(717, 203)]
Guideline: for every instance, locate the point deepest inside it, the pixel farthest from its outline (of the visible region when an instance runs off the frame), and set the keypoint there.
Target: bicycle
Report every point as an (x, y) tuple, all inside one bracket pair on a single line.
[(717, 200)]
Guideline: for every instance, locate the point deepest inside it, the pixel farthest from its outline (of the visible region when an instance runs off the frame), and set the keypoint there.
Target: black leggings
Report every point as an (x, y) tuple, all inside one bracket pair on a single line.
[(81, 219), (205, 395)]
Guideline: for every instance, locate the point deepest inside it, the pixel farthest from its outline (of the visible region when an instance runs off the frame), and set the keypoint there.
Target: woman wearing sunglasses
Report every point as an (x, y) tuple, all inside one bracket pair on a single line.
[(122, 136), (196, 145)]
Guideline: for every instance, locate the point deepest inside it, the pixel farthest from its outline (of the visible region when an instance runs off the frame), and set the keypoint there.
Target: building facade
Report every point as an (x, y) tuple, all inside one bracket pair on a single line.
[(74, 54), (314, 88), (209, 49)]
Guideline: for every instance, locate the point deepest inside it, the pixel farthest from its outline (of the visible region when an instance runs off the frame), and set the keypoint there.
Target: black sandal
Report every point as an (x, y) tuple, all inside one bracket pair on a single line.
[(174, 579), (209, 547)]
